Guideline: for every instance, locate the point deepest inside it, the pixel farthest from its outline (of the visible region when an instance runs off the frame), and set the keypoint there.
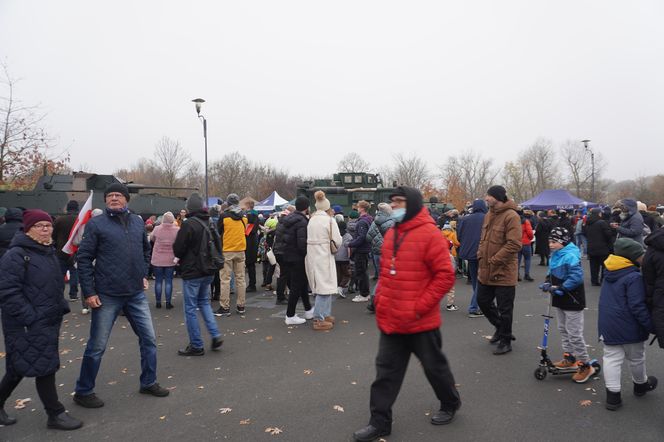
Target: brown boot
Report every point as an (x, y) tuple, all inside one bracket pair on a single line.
[(322, 325), (329, 319)]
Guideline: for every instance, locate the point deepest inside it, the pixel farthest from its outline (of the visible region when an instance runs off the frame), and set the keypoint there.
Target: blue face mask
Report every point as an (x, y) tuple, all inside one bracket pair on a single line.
[(398, 214)]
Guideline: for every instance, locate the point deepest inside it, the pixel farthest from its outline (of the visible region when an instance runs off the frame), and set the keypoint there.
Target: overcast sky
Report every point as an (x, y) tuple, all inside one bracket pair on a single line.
[(298, 84)]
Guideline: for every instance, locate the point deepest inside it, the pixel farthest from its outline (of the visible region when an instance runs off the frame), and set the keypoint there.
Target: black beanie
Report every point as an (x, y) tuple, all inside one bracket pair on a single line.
[(301, 203), (498, 192), (628, 248), (194, 203), (117, 187), (72, 206), (560, 235)]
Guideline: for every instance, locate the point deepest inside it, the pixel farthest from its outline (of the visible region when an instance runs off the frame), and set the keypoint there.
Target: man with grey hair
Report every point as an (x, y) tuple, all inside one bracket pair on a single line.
[(232, 225)]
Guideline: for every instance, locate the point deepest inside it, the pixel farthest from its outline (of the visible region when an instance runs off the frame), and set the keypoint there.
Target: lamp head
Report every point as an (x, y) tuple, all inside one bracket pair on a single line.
[(585, 143), (198, 102)]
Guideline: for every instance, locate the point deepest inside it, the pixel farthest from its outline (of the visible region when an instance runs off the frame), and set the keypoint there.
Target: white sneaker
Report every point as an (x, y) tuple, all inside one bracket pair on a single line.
[(341, 292), (360, 298), (309, 314), (452, 308), (85, 311), (295, 320)]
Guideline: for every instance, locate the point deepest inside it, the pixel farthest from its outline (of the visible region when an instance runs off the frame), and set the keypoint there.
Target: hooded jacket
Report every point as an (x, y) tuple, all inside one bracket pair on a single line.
[(231, 227), (600, 237), (623, 315), (187, 245), (653, 277), (61, 230), (469, 231), (381, 224), (407, 300), (632, 226), (31, 289), (13, 223), (499, 246), (542, 231), (290, 241), (360, 244), (566, 271)]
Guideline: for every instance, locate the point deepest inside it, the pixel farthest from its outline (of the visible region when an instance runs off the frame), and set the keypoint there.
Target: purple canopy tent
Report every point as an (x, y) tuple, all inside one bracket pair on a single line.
[(559, 199)]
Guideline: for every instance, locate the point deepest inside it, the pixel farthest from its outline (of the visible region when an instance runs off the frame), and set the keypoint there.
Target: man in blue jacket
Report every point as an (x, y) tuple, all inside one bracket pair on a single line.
[(113, 262), (360, 248), (469, 231), (631, 221)]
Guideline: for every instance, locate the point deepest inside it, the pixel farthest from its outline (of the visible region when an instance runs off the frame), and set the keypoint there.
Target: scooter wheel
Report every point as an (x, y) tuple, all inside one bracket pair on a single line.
[(540, 373), (597, 367)]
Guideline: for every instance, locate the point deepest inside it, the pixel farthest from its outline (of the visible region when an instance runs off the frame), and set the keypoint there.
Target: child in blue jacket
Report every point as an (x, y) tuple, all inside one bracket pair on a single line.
[(624, 321), (569, 299)]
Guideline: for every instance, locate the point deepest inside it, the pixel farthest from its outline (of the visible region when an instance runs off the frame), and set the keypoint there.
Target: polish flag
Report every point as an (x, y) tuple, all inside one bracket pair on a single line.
[(83, 217)]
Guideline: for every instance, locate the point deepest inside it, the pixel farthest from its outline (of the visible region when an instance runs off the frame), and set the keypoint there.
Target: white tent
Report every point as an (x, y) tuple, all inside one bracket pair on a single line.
[(270, 203)]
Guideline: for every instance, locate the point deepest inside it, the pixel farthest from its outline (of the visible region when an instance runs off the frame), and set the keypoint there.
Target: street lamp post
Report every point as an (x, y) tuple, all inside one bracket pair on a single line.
[(592, 168), (199, 102)]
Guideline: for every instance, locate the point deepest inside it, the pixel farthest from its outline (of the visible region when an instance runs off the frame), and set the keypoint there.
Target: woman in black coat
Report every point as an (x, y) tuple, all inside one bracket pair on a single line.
[(653, 277), (600, 244), (542, 238), (32, 302)]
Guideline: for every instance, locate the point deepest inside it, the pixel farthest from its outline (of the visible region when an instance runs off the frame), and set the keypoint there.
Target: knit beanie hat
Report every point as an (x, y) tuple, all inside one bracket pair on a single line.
[(559, 235), (353, 214), (301, 203), (322, 203), (385, 208), (625, 247), (72, 206), (117, 187), (168, 218), (498, 192), (641, 207), (233, 199), (33, 216), (194, 203)]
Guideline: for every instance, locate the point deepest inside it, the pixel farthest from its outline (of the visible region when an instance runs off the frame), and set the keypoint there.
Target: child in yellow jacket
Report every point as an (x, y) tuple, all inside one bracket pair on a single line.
[(450, 234)]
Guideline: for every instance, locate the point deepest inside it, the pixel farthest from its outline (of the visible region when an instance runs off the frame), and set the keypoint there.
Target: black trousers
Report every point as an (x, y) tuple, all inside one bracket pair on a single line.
[(298, 284), (596, 263), (215, 287), (391, 363), (45, 388), (251, 271), (284, 278), (362, 272), (501, 315), (268, 272)]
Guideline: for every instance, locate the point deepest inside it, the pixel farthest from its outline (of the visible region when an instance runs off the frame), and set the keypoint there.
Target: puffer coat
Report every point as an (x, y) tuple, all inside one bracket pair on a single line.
[(407, 298), (32, 302), (377, 231)]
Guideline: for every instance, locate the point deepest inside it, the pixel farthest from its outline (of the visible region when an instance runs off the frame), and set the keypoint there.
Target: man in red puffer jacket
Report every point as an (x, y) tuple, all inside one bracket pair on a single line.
[(415, 273)]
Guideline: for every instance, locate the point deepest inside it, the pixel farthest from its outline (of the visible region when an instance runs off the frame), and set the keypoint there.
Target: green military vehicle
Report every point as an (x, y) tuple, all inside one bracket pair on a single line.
[(52, 192), (347, 188)]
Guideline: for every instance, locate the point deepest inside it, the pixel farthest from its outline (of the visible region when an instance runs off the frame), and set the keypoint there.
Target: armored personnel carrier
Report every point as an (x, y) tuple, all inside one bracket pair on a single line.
[(52, 192)]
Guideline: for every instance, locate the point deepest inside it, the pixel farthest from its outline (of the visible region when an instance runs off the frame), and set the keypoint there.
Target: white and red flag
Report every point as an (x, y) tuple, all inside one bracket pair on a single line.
[(83, 217)]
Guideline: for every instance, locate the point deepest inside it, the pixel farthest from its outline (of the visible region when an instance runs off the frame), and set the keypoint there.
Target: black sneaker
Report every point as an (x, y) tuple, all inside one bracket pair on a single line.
[(444, 417), (223, 312), (503, 347), (63, 421), (528, 278), (158, 305), (240, 310), (282, 302), (88, 401), (369, 433), (216, 343), (250, 289), (155, 390), (6, 420), (191, 351), (169, 306), (476, 314)]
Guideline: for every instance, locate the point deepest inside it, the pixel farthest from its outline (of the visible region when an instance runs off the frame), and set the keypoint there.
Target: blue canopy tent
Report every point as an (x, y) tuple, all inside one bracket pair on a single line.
[(558, 199), (270, 203)]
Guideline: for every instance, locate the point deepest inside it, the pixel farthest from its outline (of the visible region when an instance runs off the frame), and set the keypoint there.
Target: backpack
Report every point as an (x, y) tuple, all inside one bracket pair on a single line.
[(209, 258)]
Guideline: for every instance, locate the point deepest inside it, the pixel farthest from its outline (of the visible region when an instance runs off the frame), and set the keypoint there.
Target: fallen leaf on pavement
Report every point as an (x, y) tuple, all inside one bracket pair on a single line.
[(2, 354), (344, 322), (188, 413), (200, 387), (65, 351), (251, 330), (353, 383), (487, 337), (245, 421), (225, 410), (124, 370), (162, 417), (273, 431), (20, 403), (112, 382), (585, 403), (308, 372), (338, 408), (268, 338)]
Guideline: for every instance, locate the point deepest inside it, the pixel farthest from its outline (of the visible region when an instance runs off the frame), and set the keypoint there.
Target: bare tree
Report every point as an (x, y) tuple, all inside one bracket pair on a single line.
[(471, 172), (233, 173), (580, 168), (514, 177), (173, 162), (409, 171), (353, 162), (23, 141)]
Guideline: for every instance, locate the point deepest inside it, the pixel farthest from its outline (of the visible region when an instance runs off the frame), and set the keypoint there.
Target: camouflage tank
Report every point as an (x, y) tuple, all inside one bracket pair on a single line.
[(52, 192)]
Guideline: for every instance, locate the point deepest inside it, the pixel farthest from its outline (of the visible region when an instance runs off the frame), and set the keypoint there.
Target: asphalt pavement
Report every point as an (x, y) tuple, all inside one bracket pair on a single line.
[(291, 383)]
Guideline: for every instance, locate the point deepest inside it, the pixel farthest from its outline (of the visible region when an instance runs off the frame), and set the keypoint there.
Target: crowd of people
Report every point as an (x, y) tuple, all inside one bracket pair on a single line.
[(417, 255)]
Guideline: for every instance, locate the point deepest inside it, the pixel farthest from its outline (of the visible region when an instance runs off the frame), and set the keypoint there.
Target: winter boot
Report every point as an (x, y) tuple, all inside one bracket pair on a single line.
[(613, 400), (567, 361), (642, 389), (322, 325)]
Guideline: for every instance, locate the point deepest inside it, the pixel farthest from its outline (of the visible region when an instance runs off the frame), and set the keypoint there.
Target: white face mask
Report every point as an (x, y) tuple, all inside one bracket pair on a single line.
[(623, 216), (398, 214)]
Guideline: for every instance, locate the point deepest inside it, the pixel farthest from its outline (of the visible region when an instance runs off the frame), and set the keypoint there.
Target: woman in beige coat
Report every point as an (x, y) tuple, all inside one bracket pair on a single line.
[(322, 231)]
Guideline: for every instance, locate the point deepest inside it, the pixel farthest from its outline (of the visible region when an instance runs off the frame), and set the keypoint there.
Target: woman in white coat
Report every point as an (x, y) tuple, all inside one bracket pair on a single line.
[(322, 237)]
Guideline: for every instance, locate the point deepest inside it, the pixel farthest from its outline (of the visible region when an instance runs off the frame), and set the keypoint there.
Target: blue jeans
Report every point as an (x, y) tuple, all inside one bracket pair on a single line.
[(197, 295), (137, 311), (322, 307), (473, 267), (66, 265), (582, 243), (527, 253), (163, 275), (376, 263)]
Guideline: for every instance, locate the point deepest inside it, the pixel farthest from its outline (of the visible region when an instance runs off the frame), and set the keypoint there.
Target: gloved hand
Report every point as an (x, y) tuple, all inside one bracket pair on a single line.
[(545, 286), (558, 291)]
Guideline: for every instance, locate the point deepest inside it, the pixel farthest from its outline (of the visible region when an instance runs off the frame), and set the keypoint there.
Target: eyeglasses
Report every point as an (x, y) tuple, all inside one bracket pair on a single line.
[(115, 195), (43, 226), (398, 200)]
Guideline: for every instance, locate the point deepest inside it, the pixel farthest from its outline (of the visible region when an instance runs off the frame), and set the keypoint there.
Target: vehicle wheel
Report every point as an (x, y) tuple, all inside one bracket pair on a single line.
[(597, 367), (540, 373)]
